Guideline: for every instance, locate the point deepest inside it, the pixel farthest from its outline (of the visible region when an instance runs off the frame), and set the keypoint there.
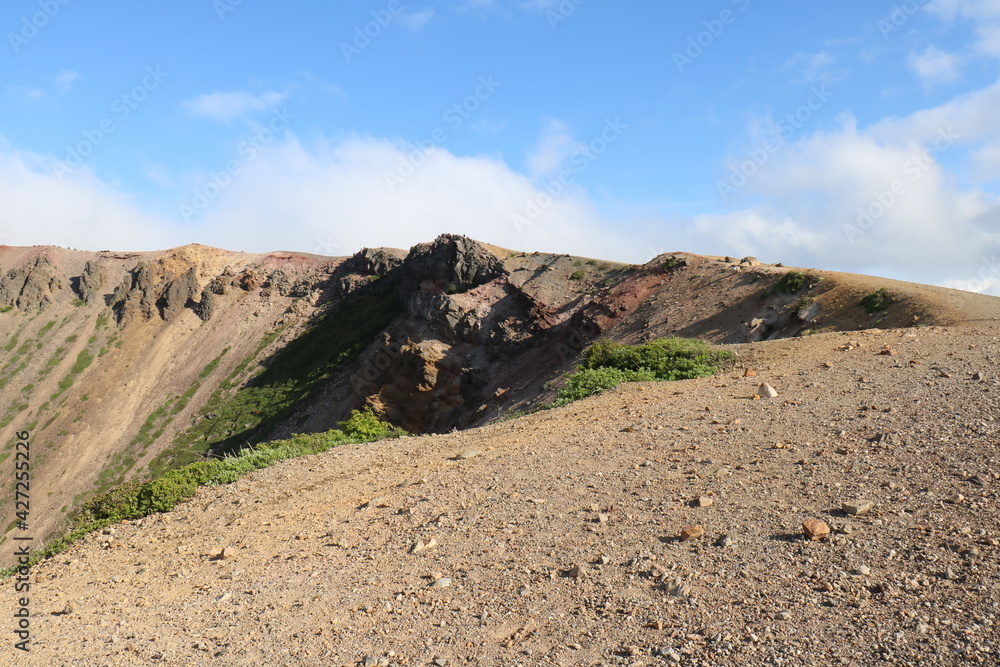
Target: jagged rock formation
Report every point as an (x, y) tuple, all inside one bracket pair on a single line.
[(453, 263), (152, 290), (90, 281), (32, 286)]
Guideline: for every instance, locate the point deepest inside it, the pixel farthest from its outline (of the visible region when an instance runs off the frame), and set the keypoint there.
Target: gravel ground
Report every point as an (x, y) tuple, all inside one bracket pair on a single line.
[(554, 539)]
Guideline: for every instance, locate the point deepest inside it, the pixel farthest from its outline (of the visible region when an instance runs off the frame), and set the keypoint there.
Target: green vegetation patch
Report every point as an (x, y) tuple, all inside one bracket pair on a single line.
[(607, 364), (877, 301), (792, 282), (136, 500), (232, 420)]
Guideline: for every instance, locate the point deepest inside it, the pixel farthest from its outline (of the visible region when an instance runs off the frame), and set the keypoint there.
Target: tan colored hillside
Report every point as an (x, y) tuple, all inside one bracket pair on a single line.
[(112, 360), (556, 536)]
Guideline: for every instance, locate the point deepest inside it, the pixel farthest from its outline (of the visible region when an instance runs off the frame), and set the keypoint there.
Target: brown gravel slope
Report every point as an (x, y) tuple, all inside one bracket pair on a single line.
[(556, 534)]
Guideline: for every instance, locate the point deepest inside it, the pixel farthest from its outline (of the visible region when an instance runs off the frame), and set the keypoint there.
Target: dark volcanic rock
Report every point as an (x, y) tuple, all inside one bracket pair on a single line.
[(371, 262), (453, 263), (90, 281), (146, 292), (32, 286), (177, 294)]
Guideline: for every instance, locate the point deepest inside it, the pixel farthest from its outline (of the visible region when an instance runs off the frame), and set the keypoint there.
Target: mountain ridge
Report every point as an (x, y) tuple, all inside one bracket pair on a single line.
[(124, 364)]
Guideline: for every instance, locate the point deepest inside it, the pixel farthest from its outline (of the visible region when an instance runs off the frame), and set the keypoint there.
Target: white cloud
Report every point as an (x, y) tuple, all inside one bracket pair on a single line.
[(984, 14), (555, 146), (813, 68), (490, 126), (337, 195), (65, 79), (226, 106), (933, 65), (415, 20), (323, 197), (878, 199), (77, 211)]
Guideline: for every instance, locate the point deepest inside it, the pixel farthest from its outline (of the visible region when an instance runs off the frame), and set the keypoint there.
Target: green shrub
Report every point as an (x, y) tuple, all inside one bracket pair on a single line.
[(365, 426), (878, 300), (577, 275), (791, 283), (134, 500), (607, 364)]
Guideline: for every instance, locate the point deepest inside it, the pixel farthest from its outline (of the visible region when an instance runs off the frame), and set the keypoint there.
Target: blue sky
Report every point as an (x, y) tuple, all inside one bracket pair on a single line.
[(859, 136)]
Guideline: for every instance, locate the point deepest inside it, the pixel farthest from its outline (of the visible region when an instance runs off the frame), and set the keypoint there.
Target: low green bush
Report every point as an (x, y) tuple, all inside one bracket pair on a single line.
[(134, 500), (607, 364), (878, 300), (791, 283)]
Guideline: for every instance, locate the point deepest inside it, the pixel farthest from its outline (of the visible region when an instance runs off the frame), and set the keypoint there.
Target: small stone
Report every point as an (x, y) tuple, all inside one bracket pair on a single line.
[(857, 507), (784, 616), (604, 560), (951, 575), (888, 351), (575, 572), (440, 662), (66, 610), (705, 501), (863, 571), (443, 582), (843, 450), (423, 545), (725, 541), (766, 391), (814, 529), (678, 588), (977, 376), (750, 373), (220, 554), (467, 454), (691, 532), (923, 628), (602, 518)]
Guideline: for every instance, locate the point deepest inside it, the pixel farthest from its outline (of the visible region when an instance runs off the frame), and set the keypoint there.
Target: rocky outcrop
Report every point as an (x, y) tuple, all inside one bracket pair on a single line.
[(32, 286), (150, 291), (372, 262), (453, 263), (90, 281)]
